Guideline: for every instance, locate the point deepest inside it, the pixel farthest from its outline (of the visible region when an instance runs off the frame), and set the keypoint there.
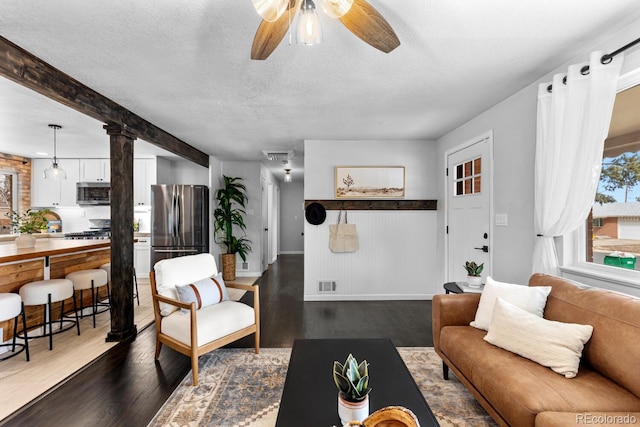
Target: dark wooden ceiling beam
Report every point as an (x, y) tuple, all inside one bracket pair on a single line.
[(20, 66)]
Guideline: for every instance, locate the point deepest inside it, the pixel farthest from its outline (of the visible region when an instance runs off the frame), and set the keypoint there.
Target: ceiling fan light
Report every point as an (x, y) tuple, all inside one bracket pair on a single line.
[(336, 8), (308, 31), (270, 10)]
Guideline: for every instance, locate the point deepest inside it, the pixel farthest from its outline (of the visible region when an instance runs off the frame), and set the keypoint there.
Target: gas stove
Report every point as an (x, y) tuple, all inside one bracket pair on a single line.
[(89, 235)]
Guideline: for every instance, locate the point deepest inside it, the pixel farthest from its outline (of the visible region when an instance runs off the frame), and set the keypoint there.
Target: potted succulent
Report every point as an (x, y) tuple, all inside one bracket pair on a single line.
[(352, 380), (27, 223), (474, 272), (230, 212)]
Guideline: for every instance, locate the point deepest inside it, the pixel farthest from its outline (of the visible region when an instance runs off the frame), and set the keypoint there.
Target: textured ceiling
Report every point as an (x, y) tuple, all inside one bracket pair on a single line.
[(184, 66)]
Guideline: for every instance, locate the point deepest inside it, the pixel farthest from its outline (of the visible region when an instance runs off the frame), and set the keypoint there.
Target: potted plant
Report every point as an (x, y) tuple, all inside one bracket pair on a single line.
[(27, 223), (474, 271), (230, 212), (352, 380)]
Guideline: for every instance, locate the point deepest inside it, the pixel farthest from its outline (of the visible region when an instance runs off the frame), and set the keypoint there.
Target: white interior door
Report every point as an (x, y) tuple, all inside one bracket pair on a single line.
[(265, 225), (270, 223), (469, 210)]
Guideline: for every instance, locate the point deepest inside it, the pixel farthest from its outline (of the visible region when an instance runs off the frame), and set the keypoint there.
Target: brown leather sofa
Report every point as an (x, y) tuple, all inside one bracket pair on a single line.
[(519, 392)]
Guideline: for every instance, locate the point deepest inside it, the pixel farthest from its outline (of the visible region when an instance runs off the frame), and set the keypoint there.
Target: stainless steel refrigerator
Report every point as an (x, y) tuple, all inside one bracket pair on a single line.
[(179, 221)]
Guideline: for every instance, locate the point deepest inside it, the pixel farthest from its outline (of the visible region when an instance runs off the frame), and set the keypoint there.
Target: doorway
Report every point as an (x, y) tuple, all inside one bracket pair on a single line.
[(468, 206)]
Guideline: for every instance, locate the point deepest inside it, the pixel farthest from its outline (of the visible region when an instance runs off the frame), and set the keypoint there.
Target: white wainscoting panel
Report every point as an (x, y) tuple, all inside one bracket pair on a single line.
[(396, 258)]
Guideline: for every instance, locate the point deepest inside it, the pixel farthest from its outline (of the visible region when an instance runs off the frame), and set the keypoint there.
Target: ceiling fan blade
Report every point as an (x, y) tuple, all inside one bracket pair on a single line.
[(270, 34), (365, 21)]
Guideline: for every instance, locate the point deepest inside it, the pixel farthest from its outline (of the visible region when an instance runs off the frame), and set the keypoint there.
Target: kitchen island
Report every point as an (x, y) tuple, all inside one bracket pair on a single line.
[(51, 258)]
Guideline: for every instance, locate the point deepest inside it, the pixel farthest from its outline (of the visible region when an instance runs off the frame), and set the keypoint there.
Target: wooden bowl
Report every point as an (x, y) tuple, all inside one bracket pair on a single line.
[(391, 416)]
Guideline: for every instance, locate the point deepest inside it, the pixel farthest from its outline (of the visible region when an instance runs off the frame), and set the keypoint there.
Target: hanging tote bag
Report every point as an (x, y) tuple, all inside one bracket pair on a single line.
[(343, 237)]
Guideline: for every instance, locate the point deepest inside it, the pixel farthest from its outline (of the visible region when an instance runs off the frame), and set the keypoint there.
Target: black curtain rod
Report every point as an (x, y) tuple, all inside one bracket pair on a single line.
[(606, 58)]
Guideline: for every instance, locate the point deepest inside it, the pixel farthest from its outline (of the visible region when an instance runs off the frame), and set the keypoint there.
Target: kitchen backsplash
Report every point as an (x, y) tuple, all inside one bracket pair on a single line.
[(77, 219)]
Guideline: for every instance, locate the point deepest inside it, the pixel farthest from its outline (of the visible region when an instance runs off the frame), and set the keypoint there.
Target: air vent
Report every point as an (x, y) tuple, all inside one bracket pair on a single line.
[(280, 155), (325, 286), (244, 266)]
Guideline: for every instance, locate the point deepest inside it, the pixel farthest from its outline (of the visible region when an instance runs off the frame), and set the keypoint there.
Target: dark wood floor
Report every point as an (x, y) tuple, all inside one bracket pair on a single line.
[(126, 387)]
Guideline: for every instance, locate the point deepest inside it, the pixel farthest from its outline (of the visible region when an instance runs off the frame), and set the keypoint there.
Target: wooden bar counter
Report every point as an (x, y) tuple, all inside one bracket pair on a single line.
[(52, 258)]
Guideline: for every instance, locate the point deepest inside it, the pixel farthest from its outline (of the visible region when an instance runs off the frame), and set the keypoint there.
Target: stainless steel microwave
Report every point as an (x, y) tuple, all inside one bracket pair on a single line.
[(93, 193)]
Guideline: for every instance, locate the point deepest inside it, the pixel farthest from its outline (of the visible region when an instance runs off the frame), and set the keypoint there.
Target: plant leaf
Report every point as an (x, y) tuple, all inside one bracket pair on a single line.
[(341, 382)]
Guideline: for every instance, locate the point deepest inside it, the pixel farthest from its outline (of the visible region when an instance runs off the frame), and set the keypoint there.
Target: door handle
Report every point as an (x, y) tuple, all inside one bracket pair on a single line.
[(485, 248)]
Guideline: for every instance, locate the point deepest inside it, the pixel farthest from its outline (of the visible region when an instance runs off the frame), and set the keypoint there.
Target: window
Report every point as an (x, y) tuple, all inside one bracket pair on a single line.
[(468, 178), (8, 181), (615, 217)]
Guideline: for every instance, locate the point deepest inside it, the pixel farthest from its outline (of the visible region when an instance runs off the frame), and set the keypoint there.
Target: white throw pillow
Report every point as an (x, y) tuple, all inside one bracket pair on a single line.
[(556, 345), (529, 298)]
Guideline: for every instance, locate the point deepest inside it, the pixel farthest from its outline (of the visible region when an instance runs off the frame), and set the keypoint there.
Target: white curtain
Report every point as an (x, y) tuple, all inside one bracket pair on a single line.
[(573, 122)]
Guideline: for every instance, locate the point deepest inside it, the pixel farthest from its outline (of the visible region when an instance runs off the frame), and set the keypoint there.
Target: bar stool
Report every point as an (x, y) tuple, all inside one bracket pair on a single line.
[(90, 279), (10, 308), (46, 292), (107, 267)]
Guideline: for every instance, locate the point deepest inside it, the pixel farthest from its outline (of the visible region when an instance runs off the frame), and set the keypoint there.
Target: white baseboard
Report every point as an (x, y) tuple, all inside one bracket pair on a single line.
[(248, 273), (330, 297), (291, 252)]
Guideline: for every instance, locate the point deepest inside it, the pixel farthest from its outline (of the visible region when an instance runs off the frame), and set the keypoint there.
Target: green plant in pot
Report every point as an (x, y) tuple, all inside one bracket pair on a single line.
[(352, 380), (229, 215), (26, 223), (474, 272)]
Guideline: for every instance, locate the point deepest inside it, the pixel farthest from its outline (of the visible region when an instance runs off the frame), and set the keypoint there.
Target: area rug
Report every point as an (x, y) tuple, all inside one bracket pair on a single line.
[(238, 388)]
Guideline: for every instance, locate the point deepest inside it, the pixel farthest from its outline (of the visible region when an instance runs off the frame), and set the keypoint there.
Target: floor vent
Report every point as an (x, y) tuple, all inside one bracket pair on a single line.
[(244, 266), (326, 285)]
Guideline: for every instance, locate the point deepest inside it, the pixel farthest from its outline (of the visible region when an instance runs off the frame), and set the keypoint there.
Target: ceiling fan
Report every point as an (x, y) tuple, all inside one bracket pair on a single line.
[(358, 16)]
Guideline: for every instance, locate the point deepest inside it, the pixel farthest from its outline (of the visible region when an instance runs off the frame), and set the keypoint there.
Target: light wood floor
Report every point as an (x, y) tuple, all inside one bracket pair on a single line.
[(46, 369)]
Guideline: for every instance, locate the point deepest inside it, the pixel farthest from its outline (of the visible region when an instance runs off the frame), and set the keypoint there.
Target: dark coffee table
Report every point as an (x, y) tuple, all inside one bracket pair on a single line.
[(310, 396)]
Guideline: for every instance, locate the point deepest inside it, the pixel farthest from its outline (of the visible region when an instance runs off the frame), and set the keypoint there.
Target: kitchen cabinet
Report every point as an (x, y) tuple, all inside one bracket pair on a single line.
[(47, 193), (142, 256), (95, 170), (144, 176)]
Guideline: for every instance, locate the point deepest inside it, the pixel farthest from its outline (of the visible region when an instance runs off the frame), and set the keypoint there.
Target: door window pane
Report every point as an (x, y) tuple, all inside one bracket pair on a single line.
[(468, 179)]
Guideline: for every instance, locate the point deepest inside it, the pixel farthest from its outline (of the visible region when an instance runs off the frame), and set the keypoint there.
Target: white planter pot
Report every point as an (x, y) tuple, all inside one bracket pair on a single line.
[(474, 281), (25, 241), (352, 411)]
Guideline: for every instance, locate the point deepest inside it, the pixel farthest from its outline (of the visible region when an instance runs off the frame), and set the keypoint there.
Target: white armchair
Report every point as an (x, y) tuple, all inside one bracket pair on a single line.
[(192, 331)]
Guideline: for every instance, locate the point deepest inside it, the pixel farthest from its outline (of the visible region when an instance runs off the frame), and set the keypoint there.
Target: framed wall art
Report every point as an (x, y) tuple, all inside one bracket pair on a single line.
[(369, 182)]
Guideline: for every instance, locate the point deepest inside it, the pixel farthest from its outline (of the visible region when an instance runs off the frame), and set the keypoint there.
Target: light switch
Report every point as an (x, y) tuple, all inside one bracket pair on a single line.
[(501, 220), (250, 212)]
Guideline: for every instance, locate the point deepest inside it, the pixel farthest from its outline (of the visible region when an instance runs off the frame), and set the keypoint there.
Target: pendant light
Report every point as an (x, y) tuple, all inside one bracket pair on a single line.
[(270, 10), (287, 175), (55, 171), (308, 31)]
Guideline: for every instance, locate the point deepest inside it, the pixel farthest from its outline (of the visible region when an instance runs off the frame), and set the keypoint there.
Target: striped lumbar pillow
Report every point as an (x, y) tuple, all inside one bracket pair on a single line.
[(204, 293)]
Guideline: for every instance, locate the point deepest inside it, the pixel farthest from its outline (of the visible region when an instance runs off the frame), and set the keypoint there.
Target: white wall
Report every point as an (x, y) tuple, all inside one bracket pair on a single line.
[(215, 177), (250, 172), (292, 218), (186, 172), (164, 171), (513, 122), (397, 254)]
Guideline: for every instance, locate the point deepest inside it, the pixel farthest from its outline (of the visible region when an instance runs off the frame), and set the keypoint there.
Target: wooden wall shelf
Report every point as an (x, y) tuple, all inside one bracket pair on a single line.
[(377, 205)]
